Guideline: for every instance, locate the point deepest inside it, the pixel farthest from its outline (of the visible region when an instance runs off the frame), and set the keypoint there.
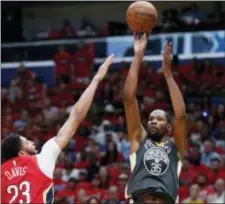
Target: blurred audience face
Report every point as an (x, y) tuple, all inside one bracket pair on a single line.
[(95, 182), (81, 196), (208, 146), (93, 201), (82, 176), (113, 193), (61, 49), (194, 191), (22, 68), (220, 108), (202, 180), (39, 118), (68, 164), (185, 165), (103, 172), (215, 165), (220, 186), (71, 184), (121, 119), (24, 115), (57, 173), (111, 146)]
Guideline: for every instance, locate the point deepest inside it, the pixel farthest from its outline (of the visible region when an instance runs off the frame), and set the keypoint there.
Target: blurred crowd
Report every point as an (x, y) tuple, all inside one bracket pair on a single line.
[(190, 18), (94, 167)]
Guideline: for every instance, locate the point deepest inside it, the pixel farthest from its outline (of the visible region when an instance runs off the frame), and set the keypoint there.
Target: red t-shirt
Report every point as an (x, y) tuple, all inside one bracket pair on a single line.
[(23, 181), (63, 63), (83, 60)]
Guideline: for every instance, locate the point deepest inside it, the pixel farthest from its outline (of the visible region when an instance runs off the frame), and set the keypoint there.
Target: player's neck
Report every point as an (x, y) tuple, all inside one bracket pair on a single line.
[(162, 140)]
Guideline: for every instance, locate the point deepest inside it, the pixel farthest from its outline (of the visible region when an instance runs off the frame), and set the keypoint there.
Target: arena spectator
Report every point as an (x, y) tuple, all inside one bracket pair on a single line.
[(95, 190), (83, 182), (112, 155), (216, 166), (68, 193), (93, 200), (53, 33), (23, 120), (205, 187), (219, 196), (194, 195), (81, 196), (87, 28), (83, 61), (124, 147), (208, 153), (59, 184), (188, 175), (104, 177), (69, 172), (15, 92), (63, 64), (193, 15), (113, 196), (50, 111), (106, 132), (23, 74), (67, 31), (218, 15), (171, 20)]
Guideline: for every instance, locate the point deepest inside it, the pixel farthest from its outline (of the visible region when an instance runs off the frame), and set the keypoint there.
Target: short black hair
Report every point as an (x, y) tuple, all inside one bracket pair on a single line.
[(11, 146)]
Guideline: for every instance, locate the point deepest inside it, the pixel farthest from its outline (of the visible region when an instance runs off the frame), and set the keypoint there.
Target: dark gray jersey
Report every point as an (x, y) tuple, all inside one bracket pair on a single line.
[(155, 168)]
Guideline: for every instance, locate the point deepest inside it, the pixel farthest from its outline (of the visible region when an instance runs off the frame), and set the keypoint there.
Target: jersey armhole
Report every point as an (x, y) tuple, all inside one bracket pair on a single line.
[(47, 158)]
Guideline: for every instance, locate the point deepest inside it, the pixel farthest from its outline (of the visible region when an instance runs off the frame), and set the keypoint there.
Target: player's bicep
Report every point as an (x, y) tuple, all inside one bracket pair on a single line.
[(47, 157), (136, 131), (180, 135)]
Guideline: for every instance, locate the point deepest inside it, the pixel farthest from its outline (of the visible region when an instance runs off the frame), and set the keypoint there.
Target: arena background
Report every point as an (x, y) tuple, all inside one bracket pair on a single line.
[(50, 51)]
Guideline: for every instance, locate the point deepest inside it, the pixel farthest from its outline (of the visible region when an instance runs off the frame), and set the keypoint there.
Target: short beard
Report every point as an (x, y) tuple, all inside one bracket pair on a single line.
[(157, 137)]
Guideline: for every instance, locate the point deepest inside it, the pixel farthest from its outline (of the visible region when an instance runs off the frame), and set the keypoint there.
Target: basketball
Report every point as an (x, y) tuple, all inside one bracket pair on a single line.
[(141, 17)]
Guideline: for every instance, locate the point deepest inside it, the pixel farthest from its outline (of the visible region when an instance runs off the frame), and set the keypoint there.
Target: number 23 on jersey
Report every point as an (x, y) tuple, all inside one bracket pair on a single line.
[(21, 192)]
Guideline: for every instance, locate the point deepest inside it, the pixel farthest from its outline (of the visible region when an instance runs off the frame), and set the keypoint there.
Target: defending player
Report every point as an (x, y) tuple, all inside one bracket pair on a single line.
[(154, 157), (27, 176)]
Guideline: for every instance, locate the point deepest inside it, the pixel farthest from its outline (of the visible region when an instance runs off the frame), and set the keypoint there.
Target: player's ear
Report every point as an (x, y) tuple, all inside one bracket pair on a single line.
[(169, 127)]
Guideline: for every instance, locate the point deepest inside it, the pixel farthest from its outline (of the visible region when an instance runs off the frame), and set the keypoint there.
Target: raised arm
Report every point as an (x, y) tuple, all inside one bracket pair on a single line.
[(180, 122), (134, 126), (80, 109)]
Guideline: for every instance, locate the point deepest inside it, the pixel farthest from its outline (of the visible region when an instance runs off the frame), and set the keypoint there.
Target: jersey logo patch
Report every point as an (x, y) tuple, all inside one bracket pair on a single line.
[(156, 161)]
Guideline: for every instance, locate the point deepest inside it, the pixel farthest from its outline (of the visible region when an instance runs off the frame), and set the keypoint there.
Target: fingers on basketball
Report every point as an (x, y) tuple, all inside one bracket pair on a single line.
[(144, 37)]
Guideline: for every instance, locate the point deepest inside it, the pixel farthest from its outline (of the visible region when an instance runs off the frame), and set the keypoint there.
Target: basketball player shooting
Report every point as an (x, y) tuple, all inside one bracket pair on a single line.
[(155, 158), (27, 176)]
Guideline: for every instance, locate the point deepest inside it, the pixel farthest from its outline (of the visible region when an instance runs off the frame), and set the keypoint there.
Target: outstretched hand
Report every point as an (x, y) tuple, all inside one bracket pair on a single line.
[(140, 43), (99, 76), (167, 59)]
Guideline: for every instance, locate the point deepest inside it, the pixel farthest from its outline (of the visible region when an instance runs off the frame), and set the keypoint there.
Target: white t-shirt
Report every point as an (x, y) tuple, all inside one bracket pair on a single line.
[(46, 159)]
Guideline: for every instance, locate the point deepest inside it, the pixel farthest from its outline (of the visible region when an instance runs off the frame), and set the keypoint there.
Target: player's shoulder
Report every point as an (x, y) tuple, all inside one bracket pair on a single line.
[(20, 160)]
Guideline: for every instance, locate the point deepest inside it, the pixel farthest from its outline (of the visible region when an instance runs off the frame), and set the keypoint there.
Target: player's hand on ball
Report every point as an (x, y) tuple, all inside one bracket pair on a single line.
[(167, 59), (140, 43), (103, 68)]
